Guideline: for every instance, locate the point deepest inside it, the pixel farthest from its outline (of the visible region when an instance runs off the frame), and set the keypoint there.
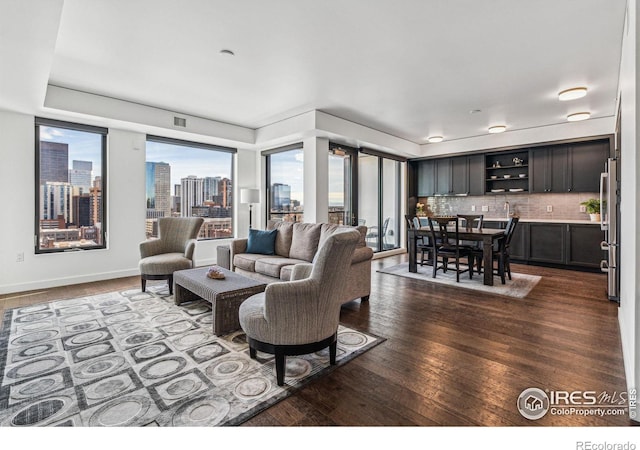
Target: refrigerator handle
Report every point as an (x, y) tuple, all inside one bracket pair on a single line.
[(604, 266), (604, 213)]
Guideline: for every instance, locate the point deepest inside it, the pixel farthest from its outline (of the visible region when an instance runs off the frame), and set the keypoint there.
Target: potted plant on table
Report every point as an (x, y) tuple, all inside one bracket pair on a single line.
[(592, 207)]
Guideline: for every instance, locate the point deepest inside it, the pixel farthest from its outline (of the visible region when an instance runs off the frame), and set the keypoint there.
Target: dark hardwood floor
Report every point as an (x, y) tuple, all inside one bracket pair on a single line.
[(451, 356)]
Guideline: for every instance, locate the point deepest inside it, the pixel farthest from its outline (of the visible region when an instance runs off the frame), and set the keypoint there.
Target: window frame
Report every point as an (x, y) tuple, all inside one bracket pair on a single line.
[(103, 132), (267, 155), (208, 147)]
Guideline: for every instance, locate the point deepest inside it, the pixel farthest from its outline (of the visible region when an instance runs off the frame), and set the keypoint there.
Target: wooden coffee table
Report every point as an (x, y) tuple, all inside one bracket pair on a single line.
[(225, 295)]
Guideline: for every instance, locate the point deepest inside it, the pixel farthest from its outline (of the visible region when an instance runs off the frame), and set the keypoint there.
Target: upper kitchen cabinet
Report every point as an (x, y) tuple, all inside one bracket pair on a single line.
[(586, 161), (452, 176), (426, 178), (568, 168)]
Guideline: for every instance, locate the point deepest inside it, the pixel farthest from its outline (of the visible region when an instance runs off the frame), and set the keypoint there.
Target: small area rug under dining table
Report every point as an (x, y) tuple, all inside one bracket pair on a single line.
[(519, 286)]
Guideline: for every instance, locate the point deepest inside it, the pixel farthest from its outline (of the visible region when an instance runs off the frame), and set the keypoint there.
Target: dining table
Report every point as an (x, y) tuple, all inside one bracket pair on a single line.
[(487, 236)]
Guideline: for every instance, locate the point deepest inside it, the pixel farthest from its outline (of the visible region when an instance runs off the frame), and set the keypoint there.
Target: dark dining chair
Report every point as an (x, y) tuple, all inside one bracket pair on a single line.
[(421, 244), (501, 253), (445, 244), (473, 222)]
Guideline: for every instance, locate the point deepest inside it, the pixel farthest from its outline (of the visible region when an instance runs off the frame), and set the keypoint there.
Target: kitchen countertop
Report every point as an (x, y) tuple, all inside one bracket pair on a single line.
[(504, 219)]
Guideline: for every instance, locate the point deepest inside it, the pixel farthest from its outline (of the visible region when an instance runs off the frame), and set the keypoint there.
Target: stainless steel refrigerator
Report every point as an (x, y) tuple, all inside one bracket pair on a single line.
[(610, 224)]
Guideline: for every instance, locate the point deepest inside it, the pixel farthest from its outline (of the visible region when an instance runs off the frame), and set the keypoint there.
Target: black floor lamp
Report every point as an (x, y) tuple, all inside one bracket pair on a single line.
[(250, 196)]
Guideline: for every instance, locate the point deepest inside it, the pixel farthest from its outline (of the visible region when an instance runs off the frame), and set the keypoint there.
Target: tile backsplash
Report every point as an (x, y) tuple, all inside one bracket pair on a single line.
[(526, 206)]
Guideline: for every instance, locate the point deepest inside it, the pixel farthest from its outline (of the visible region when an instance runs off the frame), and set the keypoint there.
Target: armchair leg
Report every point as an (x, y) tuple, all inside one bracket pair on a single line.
[(170, 284), (252, 352), (144, 284), (280, 366), (332, 352), (364, 298)]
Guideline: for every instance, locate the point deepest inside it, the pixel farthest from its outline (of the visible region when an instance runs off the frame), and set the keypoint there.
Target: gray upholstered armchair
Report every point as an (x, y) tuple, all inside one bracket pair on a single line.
[(172, 251), (302, 315)]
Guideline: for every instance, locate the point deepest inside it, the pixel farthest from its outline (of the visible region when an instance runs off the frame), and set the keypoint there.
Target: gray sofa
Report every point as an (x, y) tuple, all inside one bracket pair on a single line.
[(297, 243)]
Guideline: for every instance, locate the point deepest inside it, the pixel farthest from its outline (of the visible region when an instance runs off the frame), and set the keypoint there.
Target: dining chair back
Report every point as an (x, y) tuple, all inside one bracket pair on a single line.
[(445, 244)]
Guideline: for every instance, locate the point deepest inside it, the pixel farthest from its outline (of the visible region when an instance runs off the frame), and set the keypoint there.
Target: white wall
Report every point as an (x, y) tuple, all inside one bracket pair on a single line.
[(629, 311), (125, 212)]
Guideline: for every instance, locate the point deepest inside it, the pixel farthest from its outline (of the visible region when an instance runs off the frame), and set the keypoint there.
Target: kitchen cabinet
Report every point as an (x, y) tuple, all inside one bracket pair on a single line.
[(476, 175), (568, 168), (507, 172), (547, 243), (451, 176), (584, 245), (426, 178), (575, 245), (566, 244), (517, 247)]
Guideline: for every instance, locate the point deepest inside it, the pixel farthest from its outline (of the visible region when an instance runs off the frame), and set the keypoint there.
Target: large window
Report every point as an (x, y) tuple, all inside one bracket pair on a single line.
[(342, 180), (285, 178), (70, 186), (188, 179), (379, 199)]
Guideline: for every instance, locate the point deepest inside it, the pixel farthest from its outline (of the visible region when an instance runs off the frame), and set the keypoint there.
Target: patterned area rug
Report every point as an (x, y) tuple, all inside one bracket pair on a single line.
[(136, 359), (519, 286)]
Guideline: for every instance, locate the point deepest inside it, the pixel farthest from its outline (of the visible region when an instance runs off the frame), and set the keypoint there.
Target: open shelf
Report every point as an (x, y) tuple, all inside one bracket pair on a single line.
[(502, 184)]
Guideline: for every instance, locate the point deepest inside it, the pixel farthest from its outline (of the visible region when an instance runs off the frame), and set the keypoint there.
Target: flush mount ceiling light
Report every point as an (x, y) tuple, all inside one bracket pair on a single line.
[(578, 116), (572, 94), (434, 139), (497, 129), (475, 111), (227, 52)]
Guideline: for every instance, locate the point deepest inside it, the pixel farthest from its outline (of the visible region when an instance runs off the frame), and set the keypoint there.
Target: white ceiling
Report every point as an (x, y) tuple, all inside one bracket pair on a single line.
[(410, 68)]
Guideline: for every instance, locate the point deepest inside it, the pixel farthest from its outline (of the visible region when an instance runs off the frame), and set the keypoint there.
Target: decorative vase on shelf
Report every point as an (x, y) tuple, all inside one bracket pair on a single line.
[(595, 217)]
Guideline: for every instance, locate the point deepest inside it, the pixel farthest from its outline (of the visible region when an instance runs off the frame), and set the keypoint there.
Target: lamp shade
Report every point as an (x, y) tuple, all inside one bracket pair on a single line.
[(249, 195)]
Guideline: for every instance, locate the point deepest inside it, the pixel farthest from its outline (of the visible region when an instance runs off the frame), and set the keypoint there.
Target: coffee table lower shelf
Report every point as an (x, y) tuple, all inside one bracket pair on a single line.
[(225, 295)]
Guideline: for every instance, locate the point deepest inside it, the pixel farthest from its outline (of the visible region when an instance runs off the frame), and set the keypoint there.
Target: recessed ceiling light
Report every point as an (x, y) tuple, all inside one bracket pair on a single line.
[(578, 116), (227, 52), (475, 111), (434, 139), (497, 129), (572, 94)]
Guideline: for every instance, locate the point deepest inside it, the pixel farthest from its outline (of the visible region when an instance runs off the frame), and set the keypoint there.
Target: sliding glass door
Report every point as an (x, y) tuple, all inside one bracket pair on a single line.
[(342, 175), (379, 200)]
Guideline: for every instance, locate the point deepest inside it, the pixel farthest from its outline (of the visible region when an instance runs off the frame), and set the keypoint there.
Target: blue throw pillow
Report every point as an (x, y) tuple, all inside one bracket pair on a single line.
[(262, 242)]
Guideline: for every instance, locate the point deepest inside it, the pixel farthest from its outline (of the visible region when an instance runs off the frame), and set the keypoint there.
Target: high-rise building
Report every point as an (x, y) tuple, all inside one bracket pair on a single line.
[(96, 203), (80, 175), (56, 201), (192, 194), (82, 210), (210, 186), (158, 187), (280, 197), (224, 188), (54, 162), (177, 198)]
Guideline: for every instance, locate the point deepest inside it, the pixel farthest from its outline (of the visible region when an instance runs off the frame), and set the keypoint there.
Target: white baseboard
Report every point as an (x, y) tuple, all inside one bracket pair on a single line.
[(66, 281)]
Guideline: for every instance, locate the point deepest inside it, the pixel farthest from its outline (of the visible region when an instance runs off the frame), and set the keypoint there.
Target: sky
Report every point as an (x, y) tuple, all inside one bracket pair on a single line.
[(83, 146), (287, 167), (187, 161)]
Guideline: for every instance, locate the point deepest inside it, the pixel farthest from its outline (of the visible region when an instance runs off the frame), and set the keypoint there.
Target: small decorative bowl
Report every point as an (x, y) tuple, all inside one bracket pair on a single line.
[(507, 176), (522, 175), (493, 177)]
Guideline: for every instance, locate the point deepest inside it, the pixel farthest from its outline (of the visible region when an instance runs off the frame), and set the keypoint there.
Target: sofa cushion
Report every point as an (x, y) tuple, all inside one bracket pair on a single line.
[(304, 242), (273, 266), (328, 229), (262, 242), (247, 261), (283, 238)]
